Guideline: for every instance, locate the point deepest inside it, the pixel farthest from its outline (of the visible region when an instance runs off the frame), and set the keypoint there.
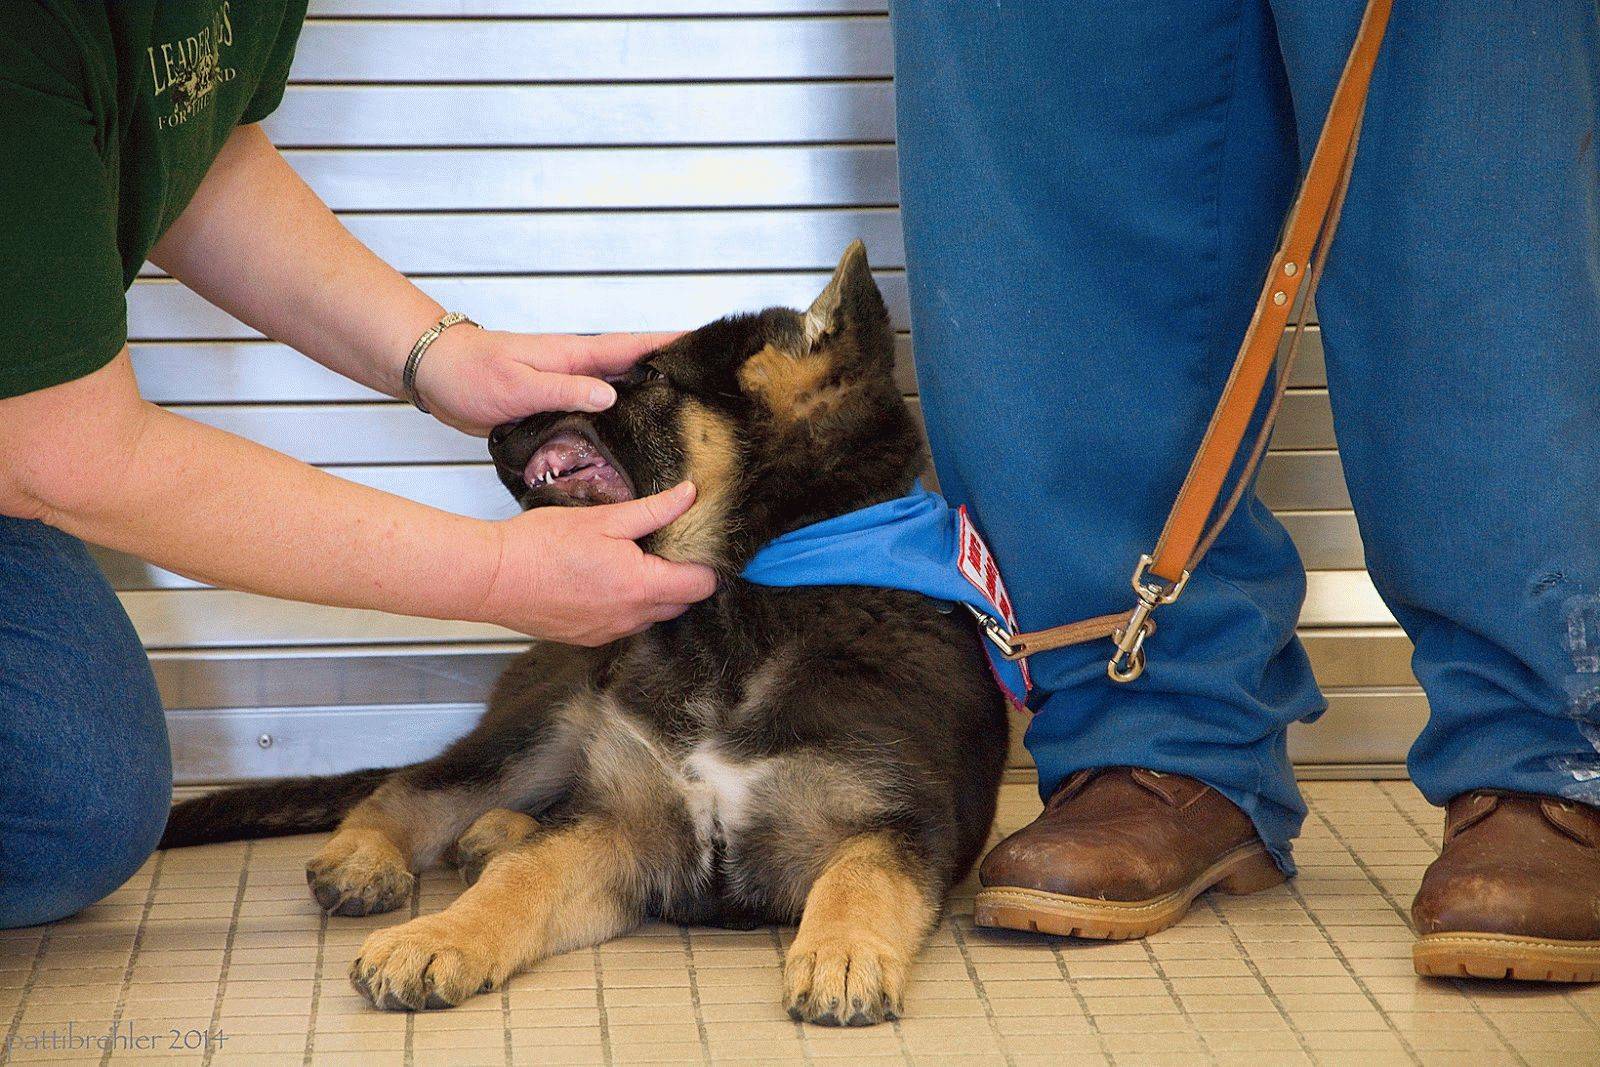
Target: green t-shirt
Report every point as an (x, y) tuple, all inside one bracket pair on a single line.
[(111, 111)]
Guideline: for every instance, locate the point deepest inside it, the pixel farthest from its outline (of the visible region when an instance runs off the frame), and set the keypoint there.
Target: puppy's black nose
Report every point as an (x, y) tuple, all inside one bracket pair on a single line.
[(498, 435)]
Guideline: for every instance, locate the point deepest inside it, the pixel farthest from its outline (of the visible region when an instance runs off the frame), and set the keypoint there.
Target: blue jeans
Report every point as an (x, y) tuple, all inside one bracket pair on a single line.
[(1091, 195), (85, 769)]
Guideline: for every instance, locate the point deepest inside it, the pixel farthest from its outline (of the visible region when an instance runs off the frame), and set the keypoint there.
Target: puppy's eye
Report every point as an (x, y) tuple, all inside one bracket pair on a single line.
[(645, 374)]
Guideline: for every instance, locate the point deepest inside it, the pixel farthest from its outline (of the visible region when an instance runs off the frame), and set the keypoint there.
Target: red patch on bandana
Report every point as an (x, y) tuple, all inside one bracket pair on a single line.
[(978, 566)]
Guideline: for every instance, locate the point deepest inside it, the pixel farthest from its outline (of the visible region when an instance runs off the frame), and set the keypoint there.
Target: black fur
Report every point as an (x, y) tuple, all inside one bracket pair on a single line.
[(809, 716)]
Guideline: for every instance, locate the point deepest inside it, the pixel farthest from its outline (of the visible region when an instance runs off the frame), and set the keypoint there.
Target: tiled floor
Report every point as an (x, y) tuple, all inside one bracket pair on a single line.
[(224, 941)]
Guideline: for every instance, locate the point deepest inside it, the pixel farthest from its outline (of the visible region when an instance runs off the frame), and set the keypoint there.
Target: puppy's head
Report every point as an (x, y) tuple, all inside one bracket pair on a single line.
[(780, 418)]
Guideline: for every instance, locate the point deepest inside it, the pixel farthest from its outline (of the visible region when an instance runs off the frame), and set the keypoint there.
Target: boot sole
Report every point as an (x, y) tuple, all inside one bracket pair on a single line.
[(1506, 956), (1247, 869)]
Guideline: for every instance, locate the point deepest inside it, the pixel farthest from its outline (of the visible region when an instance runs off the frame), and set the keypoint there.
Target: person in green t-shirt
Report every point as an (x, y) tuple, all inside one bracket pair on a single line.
[(128, 132)]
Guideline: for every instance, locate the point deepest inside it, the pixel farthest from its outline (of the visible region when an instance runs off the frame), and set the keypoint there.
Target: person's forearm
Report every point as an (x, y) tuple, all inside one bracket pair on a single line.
[(258, 243), (229, 512)]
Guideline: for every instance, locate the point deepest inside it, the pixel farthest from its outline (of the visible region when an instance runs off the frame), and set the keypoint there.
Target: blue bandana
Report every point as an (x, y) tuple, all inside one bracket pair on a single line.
[(916, 542)]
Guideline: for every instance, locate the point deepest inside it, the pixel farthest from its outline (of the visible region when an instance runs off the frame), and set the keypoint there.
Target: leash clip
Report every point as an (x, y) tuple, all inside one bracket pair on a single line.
[(1128, 662), (997, 634)]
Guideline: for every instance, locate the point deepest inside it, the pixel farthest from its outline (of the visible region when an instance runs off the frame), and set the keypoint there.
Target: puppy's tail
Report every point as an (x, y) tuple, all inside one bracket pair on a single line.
[(270, 809)]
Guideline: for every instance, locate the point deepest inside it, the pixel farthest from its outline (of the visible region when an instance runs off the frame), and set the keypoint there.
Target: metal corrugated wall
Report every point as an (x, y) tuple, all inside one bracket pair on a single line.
[(584, 165)]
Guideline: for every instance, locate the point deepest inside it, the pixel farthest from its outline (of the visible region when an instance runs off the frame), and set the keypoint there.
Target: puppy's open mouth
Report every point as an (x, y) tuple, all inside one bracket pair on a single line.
[(574, 464)]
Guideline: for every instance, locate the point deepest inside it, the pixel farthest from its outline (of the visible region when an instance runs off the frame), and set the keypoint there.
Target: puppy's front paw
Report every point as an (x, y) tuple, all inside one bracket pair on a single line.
[(493, 833), (359, 872), (835, 981), (422, 965)]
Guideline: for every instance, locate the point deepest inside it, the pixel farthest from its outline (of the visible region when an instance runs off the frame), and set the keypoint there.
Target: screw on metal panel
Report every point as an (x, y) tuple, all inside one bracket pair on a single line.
[(265, 740)]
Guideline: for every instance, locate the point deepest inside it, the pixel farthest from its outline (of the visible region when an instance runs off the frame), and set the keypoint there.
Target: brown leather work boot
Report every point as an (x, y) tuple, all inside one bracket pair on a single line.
[(1516, 892), (1121, 852)]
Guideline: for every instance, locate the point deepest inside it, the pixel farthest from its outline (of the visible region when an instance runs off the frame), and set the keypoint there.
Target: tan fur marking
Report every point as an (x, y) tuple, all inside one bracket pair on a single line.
[(559, 891), (865, 920), (494, 832), (360, 871), (711, 461), (785, 382)]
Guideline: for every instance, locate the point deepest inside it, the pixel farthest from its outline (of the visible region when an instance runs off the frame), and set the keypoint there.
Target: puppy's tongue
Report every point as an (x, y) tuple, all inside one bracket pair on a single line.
[(572, 464)]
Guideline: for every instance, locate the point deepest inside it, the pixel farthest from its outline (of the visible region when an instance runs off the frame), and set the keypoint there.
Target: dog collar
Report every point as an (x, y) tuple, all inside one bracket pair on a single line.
[(916, 542)]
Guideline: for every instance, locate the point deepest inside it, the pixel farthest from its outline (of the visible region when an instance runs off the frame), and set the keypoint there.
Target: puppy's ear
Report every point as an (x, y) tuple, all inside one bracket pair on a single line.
[(850, 299), (843, 338)]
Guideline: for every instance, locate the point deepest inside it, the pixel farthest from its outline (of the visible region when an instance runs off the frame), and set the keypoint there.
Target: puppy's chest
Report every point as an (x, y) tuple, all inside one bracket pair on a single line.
[(721, 794)]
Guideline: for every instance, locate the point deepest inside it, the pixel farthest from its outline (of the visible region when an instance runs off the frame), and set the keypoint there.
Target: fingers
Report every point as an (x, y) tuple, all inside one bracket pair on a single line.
[(547, 391), (674, 586), (606, 353), (635, 518)]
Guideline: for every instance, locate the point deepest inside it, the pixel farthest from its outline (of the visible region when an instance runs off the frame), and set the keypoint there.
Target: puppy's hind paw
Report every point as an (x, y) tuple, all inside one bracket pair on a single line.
[(493, 833), (359, 872)]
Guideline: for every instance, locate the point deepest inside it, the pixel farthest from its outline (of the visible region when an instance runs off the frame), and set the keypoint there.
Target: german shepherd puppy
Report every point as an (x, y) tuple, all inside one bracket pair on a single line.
[(826, 755)]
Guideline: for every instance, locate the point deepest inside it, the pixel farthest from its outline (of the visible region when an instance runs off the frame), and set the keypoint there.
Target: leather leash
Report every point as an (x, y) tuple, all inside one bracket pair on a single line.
[(1196, 519)]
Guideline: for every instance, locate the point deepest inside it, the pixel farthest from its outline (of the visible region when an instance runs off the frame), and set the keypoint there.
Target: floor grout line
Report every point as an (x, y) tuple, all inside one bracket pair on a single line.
[(1077, 995), (1355, 975), (800, 1027), (505, 1020), (983, 993), (1172, 992), (1405, 916), (227, 954), (133, 954), (316, 986), (694, 993), (600, 1001), (1261, 979), (34, 967), (411, 1016), (1257, 956)]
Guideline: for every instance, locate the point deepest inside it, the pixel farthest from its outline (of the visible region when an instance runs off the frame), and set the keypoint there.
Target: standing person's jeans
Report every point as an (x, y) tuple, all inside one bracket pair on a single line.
[(85, 769), (1092, 193)]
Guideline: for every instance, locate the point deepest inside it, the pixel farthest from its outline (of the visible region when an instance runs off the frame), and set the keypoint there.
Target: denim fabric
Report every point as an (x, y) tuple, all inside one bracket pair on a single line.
[(1091, 194), (85, 768)]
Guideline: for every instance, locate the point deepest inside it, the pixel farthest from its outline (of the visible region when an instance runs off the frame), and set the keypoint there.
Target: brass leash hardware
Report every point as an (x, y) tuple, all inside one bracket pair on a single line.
[(995, 631), (1128, 661), (1200, 512)]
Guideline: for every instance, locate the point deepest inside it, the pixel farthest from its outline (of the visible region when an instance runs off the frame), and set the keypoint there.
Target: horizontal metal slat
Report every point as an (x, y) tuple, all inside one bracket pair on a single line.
[(256, 371), (261, 372), (1343, 598), (1309, 480), (236, 745), (336, 675), (1360, 656), (215, 618), (219, 618), (160, 309), (590, 8), (1326, 540), (1358, 728), (371, 433), (595, 178), (1361, 727), (627, 242), (592, 50), (242, 744), (578, 115)]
